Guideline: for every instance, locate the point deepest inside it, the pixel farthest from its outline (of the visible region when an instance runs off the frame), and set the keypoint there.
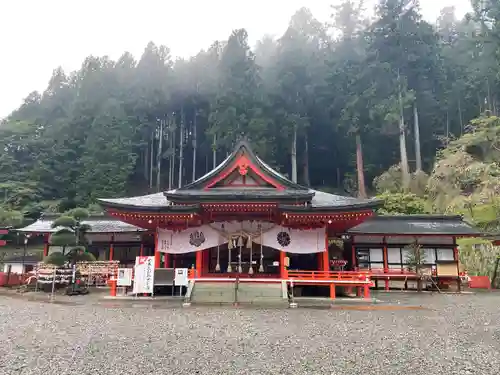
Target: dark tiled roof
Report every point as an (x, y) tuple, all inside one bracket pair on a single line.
[(157, 202), (416, 225), (150, 200), (245, 194), (320, 201), (98, 224), (325, 201), (27, 259)]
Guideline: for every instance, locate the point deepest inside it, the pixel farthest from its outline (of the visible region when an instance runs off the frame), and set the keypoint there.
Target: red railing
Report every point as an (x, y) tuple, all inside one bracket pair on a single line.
[(329, 275)]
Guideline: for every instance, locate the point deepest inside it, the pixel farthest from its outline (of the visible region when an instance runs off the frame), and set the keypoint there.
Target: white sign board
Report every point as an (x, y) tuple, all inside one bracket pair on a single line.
[(144, 272), (181, 277), (124, 277)]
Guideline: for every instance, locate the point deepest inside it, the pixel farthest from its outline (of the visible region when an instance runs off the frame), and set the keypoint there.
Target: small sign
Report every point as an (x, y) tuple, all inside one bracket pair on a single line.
[(124, 277), (276, 263), (181, 277), (144, 274)]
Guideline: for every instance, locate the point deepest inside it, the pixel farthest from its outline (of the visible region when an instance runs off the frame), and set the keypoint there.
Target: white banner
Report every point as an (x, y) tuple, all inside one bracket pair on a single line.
[(295, 240), (189, 240), (144, 273)]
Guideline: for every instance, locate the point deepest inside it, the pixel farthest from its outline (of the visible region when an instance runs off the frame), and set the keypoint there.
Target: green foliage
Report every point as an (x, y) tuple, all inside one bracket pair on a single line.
[(316, 89), (64, 221), (467, 173), (56, 258), (10, 218), (71, 232), (392, 181), (73, 256), (414, 257), (478, 256), (402, 204)]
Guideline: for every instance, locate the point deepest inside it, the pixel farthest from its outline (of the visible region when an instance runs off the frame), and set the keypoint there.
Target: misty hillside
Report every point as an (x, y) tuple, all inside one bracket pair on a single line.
[(319, 100)]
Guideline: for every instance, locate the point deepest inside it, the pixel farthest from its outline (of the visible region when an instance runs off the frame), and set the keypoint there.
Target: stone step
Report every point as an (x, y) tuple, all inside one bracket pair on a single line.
[(260, 290), (260, 293), (213, 292), (247, 293)]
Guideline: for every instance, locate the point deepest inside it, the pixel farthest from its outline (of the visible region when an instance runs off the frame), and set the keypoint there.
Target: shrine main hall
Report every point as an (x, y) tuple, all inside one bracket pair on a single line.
[(245, 221)]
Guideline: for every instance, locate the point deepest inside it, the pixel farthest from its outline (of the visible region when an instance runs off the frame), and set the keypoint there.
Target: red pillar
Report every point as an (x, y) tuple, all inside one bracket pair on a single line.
[(157, 252), (386, 265), (326, 263), (112, 248), (166, 258), (199, 263), (366, 291), (457, 259), (141, 250), (354, 265), (206, 262), (283, 271), (46, 245)]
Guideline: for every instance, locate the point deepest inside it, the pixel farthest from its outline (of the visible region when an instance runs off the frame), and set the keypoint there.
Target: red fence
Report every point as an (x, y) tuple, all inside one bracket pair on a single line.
[(479, 282), (12, 279)]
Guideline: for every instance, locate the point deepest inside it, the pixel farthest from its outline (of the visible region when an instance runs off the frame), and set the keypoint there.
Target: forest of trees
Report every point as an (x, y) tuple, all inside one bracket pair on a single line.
[(332, 106)]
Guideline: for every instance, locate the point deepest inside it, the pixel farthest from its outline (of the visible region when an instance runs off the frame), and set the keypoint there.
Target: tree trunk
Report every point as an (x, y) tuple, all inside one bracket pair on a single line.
[(214, 152), (158, 158), (174, 150), (447, 139), (146, 163), (170, 157), (294, 156), (195, 145), (417, 269), (418, 154), (460, 117), (307, 180), (405, 170), (489, 95), (151, 161), (360, 167), (181, 149)]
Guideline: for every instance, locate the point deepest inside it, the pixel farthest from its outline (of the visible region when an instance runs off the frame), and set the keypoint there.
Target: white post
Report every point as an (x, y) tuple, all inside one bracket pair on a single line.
[(53, 283)]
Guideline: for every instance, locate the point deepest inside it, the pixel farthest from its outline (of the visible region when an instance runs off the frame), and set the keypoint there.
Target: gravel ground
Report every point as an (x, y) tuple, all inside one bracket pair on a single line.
[(458, 334)]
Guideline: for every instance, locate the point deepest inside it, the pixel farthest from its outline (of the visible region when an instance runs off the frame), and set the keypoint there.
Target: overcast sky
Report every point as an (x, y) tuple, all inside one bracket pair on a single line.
[(38, 35)]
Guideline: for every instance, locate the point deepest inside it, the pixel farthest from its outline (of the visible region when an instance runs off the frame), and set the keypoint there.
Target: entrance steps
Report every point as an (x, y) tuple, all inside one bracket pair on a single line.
[(207, 292), (257, 293), (244, 293)]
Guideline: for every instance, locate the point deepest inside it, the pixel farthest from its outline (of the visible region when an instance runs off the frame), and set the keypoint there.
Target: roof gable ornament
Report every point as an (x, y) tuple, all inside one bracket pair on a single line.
[(243, 160), (243, 164)]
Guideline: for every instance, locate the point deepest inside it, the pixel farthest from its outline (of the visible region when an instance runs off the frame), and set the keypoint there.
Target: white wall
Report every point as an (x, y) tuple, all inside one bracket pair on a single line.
[(16, 267)]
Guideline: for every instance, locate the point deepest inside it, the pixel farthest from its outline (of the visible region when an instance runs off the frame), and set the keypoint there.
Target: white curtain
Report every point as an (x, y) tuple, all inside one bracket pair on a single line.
[(295, 240), (189, 240)]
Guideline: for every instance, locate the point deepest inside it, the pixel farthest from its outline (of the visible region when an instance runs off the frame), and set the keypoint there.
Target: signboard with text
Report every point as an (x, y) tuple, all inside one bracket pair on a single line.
[(124, 277), (144, 272), (181, 277)]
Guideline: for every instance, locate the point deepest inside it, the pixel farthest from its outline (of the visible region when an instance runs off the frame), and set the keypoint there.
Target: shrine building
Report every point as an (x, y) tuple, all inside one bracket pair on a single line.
[(244, 220)]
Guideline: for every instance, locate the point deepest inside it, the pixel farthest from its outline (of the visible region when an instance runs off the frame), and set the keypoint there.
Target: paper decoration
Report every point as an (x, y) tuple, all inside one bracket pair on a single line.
[(294, 240), (189, 240)]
